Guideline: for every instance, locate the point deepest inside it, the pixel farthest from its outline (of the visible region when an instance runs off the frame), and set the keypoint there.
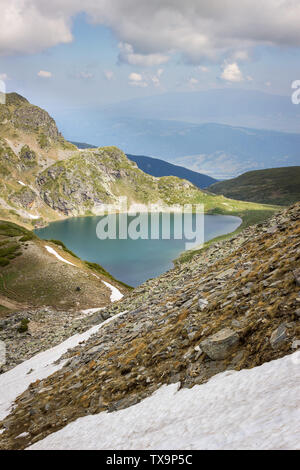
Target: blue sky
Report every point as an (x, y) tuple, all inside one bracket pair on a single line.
[(91, 58)]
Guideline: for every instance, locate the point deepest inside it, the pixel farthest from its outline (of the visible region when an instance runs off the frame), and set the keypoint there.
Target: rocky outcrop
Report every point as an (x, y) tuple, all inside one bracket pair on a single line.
[(251, 316), (24, 198), (220, 345), (95, 177)]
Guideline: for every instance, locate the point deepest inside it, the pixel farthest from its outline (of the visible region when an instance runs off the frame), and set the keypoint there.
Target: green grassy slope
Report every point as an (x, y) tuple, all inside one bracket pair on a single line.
[(30, 276), (272, 186)]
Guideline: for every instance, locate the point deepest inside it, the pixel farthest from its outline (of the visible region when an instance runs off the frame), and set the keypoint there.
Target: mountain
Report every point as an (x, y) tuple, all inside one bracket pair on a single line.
[(156, 167), (218, 150), (272, 186), (232, 309), (48, 178)]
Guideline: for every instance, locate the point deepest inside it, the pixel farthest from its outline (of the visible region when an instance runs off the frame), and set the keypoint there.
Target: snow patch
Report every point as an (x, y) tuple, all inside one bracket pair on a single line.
[(115, 293), (53, 252), (16, 381), (257, 408)]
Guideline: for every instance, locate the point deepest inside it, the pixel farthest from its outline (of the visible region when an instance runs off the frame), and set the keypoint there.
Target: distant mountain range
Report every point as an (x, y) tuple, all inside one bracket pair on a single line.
[(157, 167), (217, 150), (272, 186), (235, 107)]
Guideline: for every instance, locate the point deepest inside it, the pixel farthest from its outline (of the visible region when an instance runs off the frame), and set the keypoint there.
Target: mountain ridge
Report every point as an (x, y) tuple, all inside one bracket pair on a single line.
[(275, 185)]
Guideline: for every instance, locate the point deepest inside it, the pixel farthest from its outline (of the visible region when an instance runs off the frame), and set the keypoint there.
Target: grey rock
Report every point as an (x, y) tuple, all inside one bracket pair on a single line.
[(220, 345), (296, 344), (278, 336), (2, 353), (202, 304)]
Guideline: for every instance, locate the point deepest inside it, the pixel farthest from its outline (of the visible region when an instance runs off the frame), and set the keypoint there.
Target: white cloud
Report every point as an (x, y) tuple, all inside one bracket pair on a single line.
[(3, 76), (232, 73), (136, 79), (150, 32), (203, 69), (127, 55), (268, 84), (44, 74), (109, 75)]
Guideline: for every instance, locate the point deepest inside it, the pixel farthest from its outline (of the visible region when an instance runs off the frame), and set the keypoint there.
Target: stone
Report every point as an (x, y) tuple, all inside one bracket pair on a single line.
[(229, 272), (296, 344), (278, 336), (2, 353), (202, 304), (220, 345)]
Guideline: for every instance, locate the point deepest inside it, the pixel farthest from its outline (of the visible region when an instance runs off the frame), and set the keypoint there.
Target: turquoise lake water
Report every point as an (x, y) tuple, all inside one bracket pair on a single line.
[(132, 261)]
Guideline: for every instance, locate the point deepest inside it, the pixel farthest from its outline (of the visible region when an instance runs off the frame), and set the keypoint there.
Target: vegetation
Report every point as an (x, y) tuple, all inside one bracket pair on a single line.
[(99, 269), (23, 327), (272, 186)]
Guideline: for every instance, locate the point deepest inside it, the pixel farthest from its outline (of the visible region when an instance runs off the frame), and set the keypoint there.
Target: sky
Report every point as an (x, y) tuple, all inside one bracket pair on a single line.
[(69, 53)]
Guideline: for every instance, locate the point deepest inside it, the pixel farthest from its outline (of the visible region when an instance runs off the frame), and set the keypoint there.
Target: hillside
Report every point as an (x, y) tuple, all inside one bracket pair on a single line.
[(156, 167), (272, 186), (35, 273), (234, 306)]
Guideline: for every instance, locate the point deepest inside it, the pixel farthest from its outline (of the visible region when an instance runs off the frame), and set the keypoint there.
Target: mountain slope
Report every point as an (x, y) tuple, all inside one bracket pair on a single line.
[(272, 186), (157, 167), (233, 307), (40, 273)]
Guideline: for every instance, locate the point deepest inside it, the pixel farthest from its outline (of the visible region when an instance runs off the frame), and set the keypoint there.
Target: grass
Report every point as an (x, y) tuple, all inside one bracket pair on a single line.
[(271, 186)]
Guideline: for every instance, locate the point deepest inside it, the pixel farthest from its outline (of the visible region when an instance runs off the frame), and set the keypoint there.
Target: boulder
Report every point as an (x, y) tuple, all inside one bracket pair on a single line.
[(220, 345)]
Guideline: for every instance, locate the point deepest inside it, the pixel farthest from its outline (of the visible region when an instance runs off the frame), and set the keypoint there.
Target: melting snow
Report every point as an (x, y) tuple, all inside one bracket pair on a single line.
[(16, 381), (250, 409), (53, 252), (115, 293)]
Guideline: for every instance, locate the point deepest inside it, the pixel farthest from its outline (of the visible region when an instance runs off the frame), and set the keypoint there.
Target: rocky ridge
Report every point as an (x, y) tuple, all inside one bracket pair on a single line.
[(234, 306)]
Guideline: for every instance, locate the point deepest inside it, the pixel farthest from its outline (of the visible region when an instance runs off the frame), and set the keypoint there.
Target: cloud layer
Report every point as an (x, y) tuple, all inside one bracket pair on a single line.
[(150, 32)]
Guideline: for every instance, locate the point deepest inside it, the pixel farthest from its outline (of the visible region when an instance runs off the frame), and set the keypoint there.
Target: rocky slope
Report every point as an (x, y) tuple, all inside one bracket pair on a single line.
[(234, 306), (273, 186)]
